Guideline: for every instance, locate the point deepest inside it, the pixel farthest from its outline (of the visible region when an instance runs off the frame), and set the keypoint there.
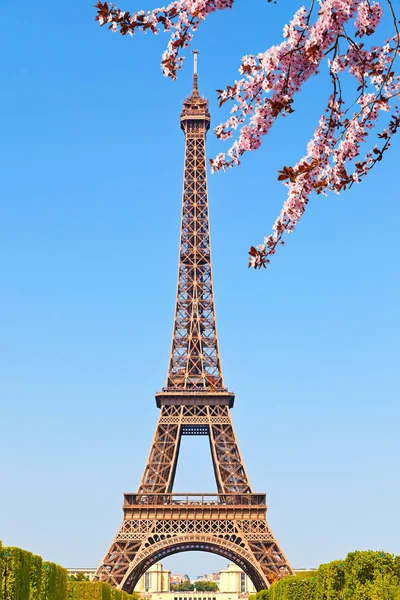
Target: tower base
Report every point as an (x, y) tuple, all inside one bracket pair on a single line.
[(159, 525)]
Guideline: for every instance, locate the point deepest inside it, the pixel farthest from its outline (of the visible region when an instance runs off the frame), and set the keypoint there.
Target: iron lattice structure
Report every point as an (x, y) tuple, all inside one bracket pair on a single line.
[(157, 522), (195, 364)]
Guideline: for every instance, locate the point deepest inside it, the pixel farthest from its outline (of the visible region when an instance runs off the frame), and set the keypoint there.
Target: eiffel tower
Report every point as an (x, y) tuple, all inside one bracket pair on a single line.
[(195, 401)]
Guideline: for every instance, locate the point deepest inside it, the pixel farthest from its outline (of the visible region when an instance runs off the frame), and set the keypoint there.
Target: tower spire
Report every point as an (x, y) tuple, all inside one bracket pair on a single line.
[(195, 75), (195, 364)]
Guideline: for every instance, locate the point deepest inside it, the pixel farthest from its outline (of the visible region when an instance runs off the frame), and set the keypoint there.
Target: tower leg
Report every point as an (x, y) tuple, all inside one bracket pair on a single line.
[(159, 472), (228, 464)]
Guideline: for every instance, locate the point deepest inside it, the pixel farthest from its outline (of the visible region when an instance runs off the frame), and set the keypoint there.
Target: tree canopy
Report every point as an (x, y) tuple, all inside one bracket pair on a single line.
[(184, 586), (206, 586), (197, 586)]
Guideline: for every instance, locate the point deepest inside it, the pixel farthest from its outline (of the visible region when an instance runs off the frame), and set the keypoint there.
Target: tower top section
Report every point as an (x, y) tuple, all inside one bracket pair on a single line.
[(195, 108), (195, 371)]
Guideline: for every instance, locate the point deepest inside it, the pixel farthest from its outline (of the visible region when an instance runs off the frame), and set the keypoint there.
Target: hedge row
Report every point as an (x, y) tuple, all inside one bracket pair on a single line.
[(87, 590), (361, 576), (1, 570), (24, 576)]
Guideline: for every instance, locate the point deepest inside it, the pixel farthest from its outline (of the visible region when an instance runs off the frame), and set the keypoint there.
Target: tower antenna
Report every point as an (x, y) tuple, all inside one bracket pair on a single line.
[(195, 76)]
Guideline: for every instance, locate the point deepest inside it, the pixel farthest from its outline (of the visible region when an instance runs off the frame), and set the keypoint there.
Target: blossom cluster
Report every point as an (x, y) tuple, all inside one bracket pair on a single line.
[(330, 162), (269, 84), (181, 18)]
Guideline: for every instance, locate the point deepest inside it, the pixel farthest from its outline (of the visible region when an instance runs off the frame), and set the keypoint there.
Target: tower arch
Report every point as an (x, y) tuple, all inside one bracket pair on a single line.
[(234, 551)]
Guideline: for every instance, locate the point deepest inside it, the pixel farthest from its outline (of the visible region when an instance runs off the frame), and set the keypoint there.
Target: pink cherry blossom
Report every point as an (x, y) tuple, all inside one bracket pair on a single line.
[(327, 35)]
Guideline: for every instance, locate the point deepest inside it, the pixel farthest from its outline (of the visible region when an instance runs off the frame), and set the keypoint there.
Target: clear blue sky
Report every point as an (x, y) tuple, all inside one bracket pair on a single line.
[(91, 159)]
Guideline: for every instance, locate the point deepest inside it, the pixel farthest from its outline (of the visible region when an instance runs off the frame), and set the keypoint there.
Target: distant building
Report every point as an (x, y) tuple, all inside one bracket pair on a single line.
[(155, 584), (232, 584), (234, 580), (195, 596), (156, 579), (303, 571), (179, 578), (209, 577), (90, 572)]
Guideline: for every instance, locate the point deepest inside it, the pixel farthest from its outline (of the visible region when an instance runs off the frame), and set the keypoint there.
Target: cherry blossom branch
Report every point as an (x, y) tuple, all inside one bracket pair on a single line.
[(181, 18), (330, 172), (282, 70), (271, 80)]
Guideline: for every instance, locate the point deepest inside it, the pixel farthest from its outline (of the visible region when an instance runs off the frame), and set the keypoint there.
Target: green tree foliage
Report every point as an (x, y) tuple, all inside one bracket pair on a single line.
[(361, 576), (133, 596), (206, 586), (23, 576), (185, 586), (1, 570), (330, 580), (54, 582), (88, 590), (120, 595), (299, 587), (35, 588), (199, 586), (372, 575), (16, 574), (79, 577)]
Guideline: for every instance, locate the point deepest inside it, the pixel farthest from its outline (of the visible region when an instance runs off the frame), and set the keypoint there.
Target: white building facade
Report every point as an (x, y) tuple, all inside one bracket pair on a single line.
[(232, 584), (234, 580), (155, 584)]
